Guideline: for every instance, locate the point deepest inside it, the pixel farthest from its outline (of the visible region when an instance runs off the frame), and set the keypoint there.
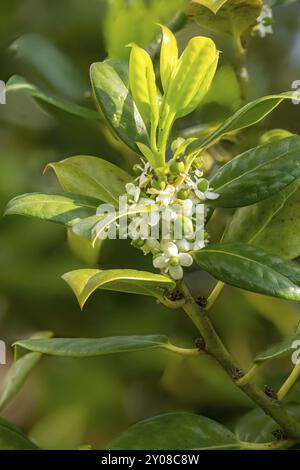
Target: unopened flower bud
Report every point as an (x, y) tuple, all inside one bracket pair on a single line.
[(183, 194), (203, 185)]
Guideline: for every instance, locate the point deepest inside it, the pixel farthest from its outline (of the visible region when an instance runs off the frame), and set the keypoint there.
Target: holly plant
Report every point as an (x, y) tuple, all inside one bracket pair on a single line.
[(170, 185)]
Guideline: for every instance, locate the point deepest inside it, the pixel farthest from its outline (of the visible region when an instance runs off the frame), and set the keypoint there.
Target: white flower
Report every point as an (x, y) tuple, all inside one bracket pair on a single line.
[(208, 194), (171, 260), (133, 191), (165, 196), (264, 22)]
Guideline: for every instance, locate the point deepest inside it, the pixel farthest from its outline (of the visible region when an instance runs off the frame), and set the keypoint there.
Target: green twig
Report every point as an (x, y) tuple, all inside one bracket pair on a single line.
[(215, 347), (290, 381)]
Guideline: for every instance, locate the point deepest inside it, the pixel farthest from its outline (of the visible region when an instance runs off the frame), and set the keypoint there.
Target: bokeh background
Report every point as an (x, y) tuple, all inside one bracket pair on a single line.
[(69, 402)]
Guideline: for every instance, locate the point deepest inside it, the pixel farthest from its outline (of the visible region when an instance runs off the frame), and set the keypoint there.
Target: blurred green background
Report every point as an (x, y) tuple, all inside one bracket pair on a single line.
[(69, 402)]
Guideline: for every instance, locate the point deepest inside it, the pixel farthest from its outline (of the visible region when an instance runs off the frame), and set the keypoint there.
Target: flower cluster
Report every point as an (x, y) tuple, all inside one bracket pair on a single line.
[(173, 224)]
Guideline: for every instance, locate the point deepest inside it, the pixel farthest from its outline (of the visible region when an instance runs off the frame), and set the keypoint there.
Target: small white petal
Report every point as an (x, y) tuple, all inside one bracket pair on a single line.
[(171, 250), (185, 259), (176, 272), (130, 188), (160, 262), (199, 194), (198, 245), (211, 195), (183, 245)]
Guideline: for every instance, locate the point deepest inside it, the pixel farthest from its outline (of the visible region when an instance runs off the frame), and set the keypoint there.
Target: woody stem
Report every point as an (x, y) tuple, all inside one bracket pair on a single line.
[(215, 347)]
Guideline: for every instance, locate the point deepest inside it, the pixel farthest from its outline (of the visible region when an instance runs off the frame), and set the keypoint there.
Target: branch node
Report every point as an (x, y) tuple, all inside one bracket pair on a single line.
[(200, 344), (270, 392), (237, 373), (201, 301), (279, 434)]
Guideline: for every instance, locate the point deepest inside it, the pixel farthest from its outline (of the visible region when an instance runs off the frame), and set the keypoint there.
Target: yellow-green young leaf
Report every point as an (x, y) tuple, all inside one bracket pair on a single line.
[(142, 84), (153, 157), (84, 282), (233, 17), (168, 56), (204, 87), (195, 70), (213, 5)]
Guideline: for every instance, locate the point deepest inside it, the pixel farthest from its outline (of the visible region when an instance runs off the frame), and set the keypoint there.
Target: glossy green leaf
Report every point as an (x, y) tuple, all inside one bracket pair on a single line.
[(250, 114), (84, 282), (43, 60), (256, 426), (233, 17), (91, 347), (168, 57), (20, 84), (110, 81), (251, 268), (92, 177), (143, 85), (64, 209), (257, 173), (98, 226), (175, 431), (19, 371), (272, 224), (194, 73), (12, 438), (285, 348)]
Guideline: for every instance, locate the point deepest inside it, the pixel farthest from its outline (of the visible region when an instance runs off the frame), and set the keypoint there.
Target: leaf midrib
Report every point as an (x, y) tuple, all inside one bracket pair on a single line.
[(253, 261), (282, 156)]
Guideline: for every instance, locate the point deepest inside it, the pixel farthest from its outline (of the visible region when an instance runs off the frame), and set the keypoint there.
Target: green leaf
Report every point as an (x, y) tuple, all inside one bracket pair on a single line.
[(233, 17), (175, 431), (256, 426), (284, 348), (110, 81), (92, 177), (251, 268), (19, 372), (91, 347), (250, 114), (272, 224), (168, 57), (213, 5), (143, 85), (97, 226), (84, 282), (257, 173), (20, 84), (12, 438), (43, 60), (65, 209), (194, 73)]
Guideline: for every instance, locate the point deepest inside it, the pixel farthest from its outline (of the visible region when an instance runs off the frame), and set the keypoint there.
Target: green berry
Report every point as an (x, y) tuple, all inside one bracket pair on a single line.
[(183, 194), (203, 185), (138, 243)]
